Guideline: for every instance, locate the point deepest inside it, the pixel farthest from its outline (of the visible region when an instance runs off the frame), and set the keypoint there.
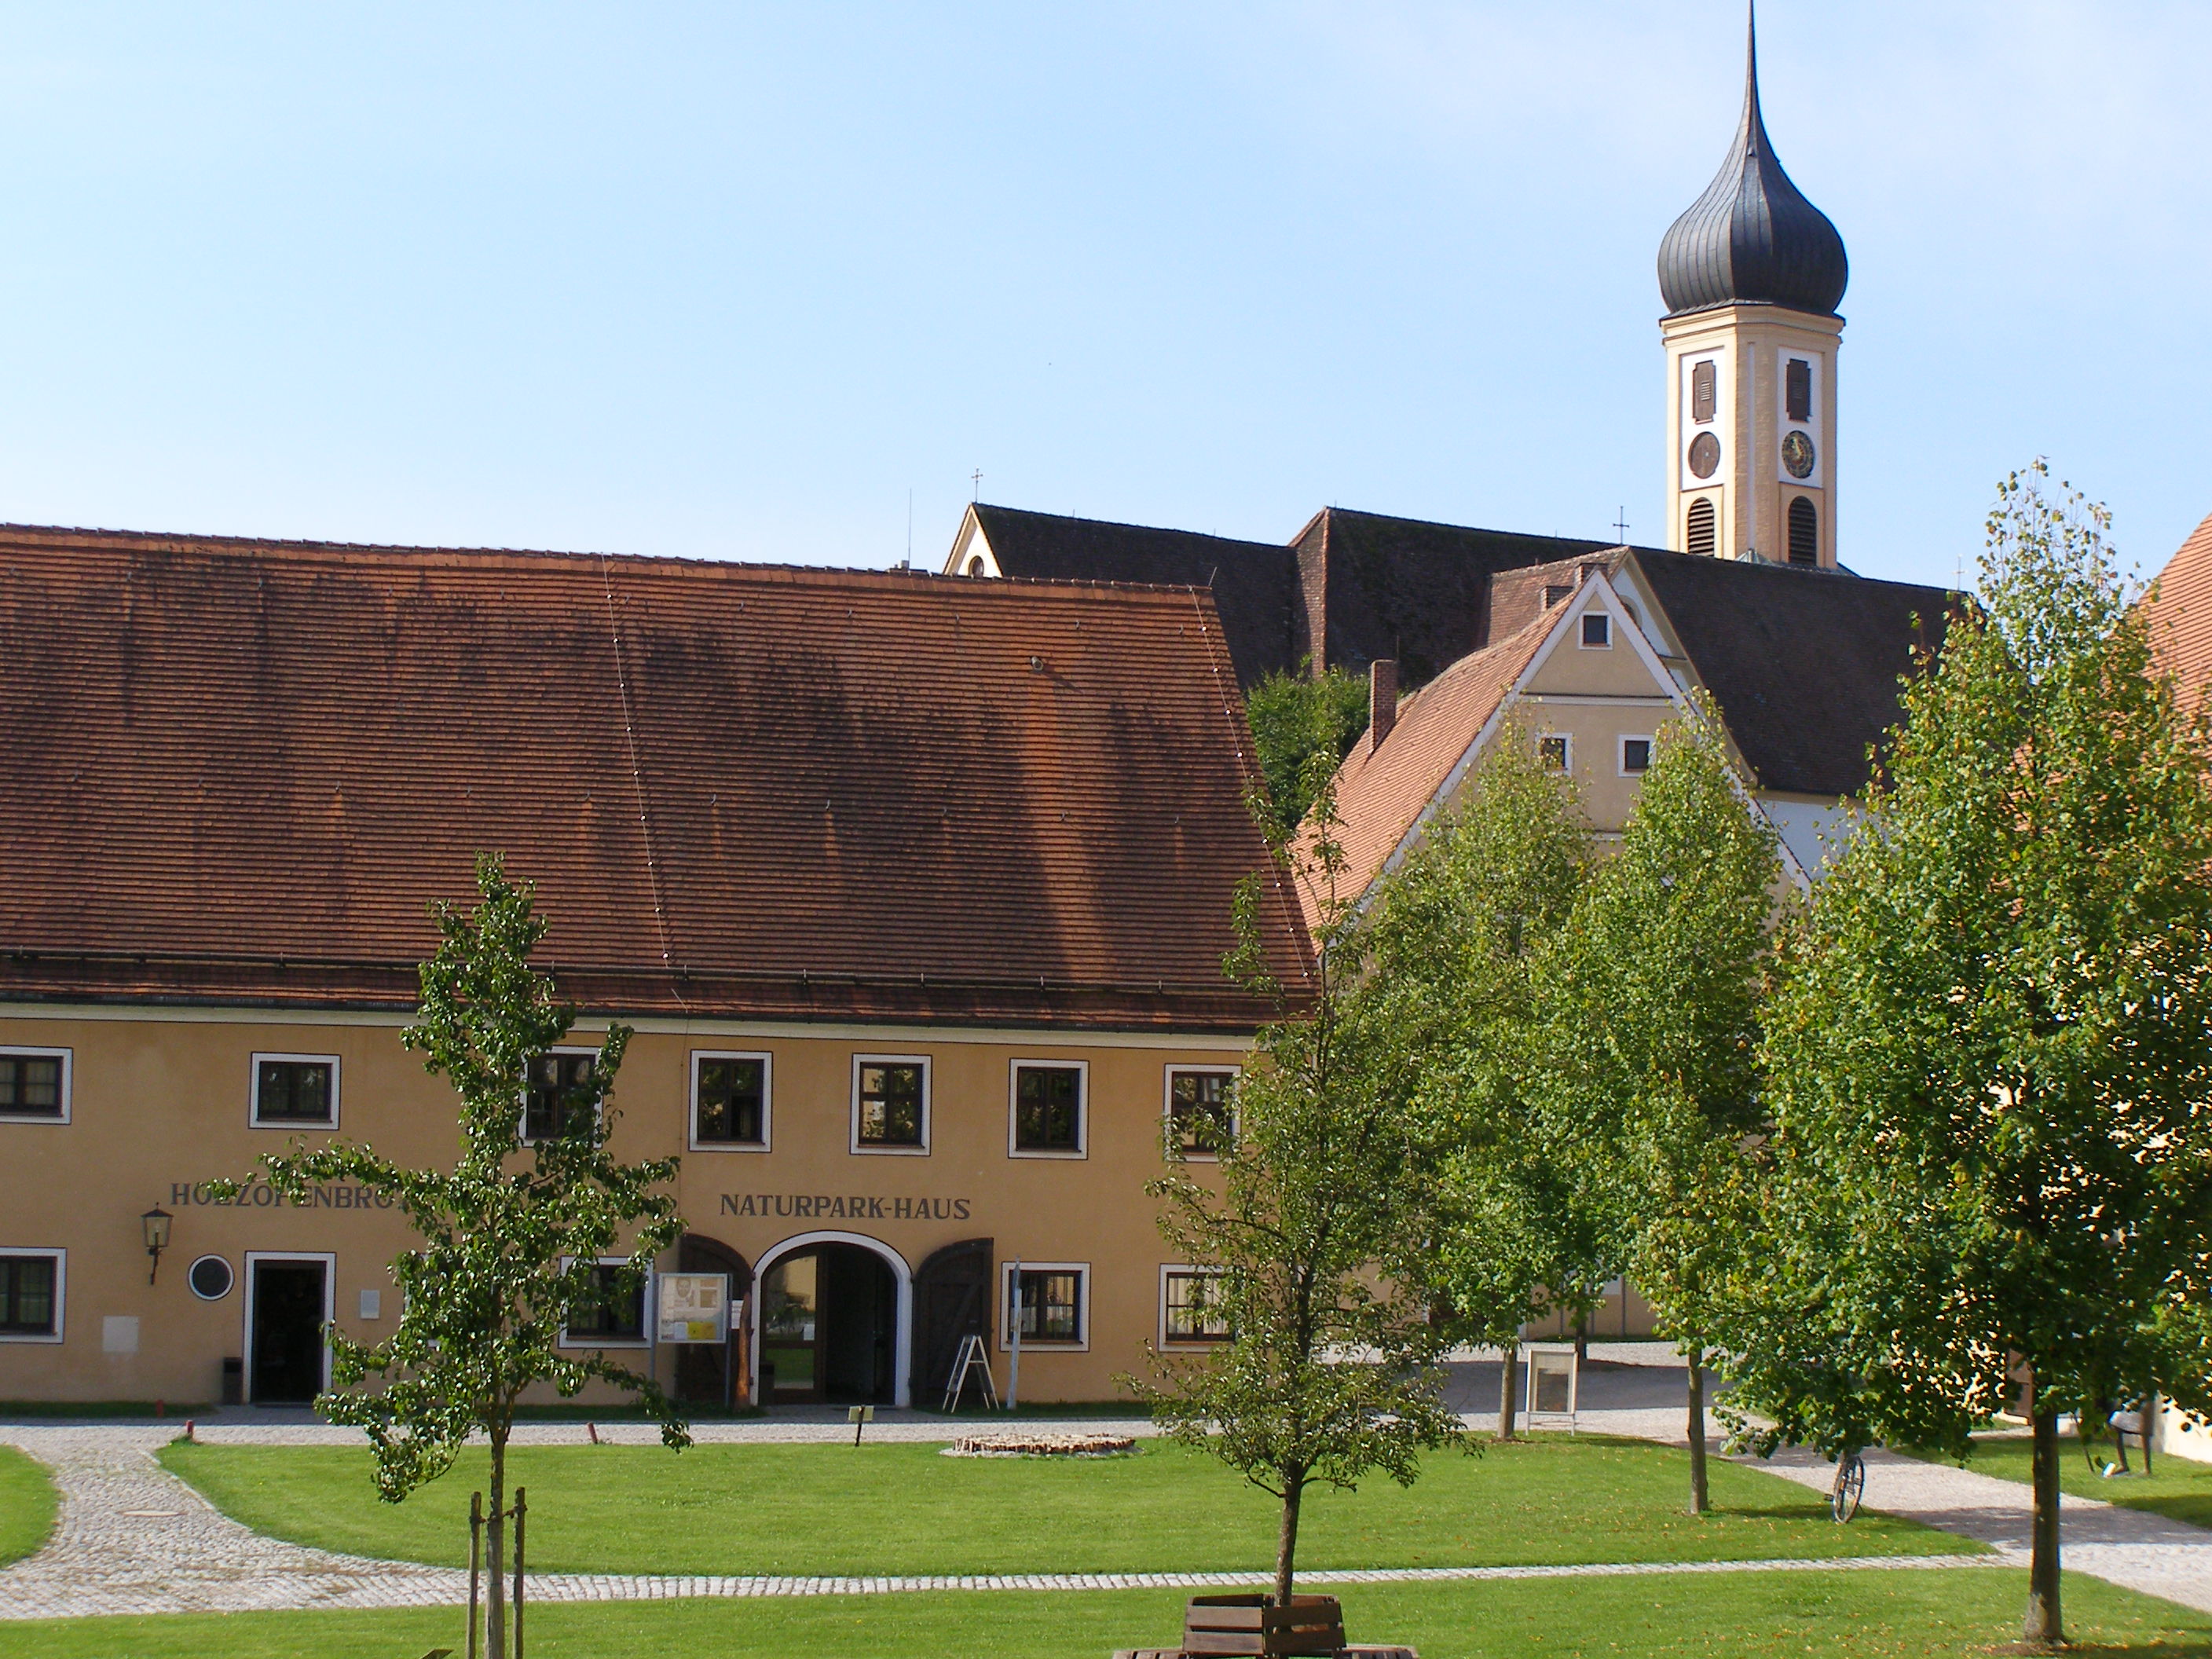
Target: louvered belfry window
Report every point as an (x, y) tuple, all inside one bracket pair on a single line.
[(1804, 532), (1702, 536)]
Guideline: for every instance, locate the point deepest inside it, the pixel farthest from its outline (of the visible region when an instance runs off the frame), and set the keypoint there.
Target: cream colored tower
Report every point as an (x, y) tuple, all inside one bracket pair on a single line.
[(1751, 275)]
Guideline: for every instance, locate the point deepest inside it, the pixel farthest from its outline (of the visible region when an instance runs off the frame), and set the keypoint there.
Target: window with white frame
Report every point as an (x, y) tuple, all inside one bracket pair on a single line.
[(1201, 1109), (1047, 1108), (1054, 1306), (1191, 1314), (559, 1093), (729, 1101), (612, 1314), (890, 1103), (1635, 757), (1555, 751), (31, 1294), (295, 1091), (34, 1085), (1597, 631)]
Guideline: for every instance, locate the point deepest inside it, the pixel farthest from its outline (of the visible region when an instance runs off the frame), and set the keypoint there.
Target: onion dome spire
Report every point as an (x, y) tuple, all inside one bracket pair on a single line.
[(1752, 239)]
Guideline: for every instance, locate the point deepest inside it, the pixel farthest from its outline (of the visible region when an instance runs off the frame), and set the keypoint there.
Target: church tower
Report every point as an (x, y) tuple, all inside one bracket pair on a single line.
[(1751, 275)]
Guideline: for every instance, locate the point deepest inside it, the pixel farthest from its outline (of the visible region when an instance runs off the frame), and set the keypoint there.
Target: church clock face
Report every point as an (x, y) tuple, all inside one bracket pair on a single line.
[(1797, 455), (1705, 455)]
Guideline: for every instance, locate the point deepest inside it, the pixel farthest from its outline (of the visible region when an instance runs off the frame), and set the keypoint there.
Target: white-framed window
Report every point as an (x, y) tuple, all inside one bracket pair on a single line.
[(617, 1318), (1048, 1109), (1596, 631), (891, 1105), (550, 1094), (1635, 757), (33, 1294), (34, 1085), (731, 1090), (1201, 1109), (1556, 752), (294, 1092), (1190, 1316), (1055, 1305)]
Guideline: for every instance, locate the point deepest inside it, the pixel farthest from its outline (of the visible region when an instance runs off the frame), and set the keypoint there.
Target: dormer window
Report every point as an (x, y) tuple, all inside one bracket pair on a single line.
[(1597, 631), (1557, 593)]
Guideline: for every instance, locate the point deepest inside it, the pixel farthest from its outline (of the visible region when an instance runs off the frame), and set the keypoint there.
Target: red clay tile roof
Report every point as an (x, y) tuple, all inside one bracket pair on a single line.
[(1380, 791), (240, 770), (2180, 613)]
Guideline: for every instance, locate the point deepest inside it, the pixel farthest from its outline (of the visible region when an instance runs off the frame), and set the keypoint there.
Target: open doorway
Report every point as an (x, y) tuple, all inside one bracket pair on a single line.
[(288, 1302), (828, 1328)]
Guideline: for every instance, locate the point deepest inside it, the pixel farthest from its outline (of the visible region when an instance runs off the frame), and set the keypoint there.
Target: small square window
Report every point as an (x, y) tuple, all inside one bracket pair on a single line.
[(891, 1105), (295, 1091), (31, 1294), (1555, 753), (1053, 1303), (1635, 757), (35, 1084), (1048, 1109), (1190, 1307), (1200, 1110), (1597, 631), (613, 1313), (729, 1101), (559, 1100)]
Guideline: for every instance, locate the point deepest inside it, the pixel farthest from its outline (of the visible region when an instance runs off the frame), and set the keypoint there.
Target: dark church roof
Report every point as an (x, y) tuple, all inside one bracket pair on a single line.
[(1804, 663), (1255, 583), (1752, 239)]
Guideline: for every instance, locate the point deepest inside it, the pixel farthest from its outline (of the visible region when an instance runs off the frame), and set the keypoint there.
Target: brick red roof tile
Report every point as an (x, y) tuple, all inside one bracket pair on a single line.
[(2181, 615), (241, 769)]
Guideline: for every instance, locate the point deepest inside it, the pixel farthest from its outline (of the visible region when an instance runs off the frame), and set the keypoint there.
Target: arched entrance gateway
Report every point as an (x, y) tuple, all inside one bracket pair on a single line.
[(831, 1322)]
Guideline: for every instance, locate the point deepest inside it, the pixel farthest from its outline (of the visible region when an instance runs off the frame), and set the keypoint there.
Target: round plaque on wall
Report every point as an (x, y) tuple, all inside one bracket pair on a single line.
[(1797, 455), (1705, 455), (210, 1279)]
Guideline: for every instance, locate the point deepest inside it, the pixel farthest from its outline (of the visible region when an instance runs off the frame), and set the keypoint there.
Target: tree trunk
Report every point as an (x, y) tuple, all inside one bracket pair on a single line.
[(2043, 1626), (1698, 1494), (496, 1609), (1508, 1394), (1286, 1549)]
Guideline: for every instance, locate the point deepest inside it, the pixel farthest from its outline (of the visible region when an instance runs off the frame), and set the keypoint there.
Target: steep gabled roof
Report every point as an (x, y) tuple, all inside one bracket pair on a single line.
[(1255, 583), (2179, 611), (1804, 663), (239, 770)]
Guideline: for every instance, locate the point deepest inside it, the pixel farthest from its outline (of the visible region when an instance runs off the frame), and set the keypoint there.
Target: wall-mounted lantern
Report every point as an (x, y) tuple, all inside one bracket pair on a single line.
[(156, 1222)]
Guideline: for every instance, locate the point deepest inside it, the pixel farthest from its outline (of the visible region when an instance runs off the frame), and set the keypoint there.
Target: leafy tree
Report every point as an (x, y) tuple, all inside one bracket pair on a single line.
[(1515, 1226), (1651, 1005), (511, 1235), (1295, 717), (1992, 1041), (1331, 1370)]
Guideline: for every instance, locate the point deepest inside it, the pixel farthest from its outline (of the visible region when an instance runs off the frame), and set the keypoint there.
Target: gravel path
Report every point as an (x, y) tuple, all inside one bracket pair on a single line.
[(134, 1539)]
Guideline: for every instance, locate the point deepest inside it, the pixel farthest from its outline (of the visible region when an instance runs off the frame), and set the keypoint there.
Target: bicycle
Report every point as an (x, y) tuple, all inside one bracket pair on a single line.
[(1850, 1486)]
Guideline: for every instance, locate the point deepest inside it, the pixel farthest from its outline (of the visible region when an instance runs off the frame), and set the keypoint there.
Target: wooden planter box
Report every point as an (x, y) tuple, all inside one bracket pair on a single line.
[(1311, 1625)]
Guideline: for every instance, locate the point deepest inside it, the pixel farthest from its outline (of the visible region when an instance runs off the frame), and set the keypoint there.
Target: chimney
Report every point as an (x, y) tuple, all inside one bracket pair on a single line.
[(1381, 701)]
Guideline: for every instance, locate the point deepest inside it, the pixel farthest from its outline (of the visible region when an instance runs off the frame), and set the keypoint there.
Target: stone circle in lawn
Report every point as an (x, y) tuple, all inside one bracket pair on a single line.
[(1041, 1445)]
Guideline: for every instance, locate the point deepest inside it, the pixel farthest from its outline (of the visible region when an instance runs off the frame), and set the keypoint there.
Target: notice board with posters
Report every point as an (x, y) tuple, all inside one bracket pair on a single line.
[(694, 1308)]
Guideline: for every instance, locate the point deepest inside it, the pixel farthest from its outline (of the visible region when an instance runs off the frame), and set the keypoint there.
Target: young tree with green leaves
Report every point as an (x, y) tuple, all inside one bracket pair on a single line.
[(1296, 718), (1991, 1048), (512, 1236), (1330, 1370), (1652, 1023), (1517, 1227)]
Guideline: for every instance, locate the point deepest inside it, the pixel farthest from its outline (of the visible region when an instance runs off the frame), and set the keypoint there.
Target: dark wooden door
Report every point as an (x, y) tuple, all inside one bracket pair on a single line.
[(951, 1299), (287, 1332)]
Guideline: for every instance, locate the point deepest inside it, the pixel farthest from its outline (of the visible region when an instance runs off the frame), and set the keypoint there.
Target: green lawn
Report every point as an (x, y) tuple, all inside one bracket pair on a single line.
[(1961, 1613), (26, 1505), (902, 1508), (2180, 1490)]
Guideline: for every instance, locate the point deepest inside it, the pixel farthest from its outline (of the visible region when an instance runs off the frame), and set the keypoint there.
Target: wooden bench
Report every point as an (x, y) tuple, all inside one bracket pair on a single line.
[(1311, 1627)]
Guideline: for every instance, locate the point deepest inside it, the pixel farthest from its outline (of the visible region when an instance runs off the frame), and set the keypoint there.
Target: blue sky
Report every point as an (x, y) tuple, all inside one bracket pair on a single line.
[(733, 280)]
